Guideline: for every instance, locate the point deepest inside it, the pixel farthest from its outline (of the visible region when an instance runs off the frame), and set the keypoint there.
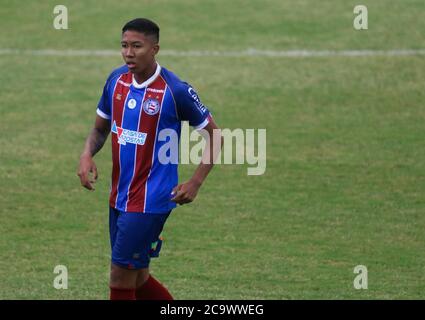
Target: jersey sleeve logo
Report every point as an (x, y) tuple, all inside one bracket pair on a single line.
[(151, 106), (128, 136), (197, 101)]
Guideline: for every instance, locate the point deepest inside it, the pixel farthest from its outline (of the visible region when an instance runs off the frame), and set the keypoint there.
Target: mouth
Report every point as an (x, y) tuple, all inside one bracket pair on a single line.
[(131, 65)]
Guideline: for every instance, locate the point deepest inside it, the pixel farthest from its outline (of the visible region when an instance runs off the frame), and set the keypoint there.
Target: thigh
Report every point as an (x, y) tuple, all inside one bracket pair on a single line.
[(137, 239)]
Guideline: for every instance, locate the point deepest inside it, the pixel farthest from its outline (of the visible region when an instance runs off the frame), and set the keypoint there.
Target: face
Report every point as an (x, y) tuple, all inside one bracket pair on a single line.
[(138, 51)]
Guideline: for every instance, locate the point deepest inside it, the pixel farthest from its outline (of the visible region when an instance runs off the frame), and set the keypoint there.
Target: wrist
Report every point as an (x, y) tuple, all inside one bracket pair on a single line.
[(86, 154), (196, 182)]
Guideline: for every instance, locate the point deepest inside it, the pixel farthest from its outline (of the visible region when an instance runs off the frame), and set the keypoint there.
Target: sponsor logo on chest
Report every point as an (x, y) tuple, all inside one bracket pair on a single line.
[(128, 136)]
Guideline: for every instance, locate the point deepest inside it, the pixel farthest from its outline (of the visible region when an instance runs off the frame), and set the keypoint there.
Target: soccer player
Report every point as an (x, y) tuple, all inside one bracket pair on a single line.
[(140, 99)]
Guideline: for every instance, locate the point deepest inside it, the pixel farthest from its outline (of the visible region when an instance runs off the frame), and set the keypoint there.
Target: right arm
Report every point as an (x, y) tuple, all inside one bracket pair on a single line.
[(94, 143)]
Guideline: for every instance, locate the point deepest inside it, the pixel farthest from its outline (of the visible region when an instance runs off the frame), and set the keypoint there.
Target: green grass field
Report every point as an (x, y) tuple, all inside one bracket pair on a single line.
[(345, 177)]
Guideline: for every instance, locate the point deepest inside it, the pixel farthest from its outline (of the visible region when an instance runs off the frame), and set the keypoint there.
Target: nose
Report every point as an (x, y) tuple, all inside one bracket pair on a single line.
[(128, 52)]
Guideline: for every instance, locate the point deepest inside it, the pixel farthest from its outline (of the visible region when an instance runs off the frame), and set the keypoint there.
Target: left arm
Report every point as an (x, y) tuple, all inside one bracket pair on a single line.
[(187, 191)]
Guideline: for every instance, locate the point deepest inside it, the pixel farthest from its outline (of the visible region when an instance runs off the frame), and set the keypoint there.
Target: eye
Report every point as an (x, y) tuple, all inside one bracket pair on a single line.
[(123, 45)]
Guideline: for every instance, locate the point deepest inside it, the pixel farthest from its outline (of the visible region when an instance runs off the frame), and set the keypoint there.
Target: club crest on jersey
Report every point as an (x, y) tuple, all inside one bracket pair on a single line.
[(151, 106), (128, 136)]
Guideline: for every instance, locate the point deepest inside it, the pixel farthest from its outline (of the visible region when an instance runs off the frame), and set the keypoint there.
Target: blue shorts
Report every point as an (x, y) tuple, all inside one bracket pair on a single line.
[(135, 237)]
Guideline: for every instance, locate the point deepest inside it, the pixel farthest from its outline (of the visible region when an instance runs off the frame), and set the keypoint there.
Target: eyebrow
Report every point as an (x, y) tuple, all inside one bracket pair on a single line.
[(132, 42)]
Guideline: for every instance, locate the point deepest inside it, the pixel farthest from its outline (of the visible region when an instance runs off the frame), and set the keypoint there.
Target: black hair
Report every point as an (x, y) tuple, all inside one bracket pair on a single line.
[(144, 26)]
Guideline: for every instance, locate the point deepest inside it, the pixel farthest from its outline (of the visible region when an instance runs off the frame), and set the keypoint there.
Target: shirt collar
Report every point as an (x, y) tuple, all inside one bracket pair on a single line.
[(148, 81)]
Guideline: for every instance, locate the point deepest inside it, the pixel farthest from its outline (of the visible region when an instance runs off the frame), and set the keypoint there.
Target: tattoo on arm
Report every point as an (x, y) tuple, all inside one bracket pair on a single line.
[(95, 141)]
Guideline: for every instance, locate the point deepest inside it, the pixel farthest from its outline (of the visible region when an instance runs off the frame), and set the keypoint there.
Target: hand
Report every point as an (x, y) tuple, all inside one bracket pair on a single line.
[(185, 192), (86, 167)]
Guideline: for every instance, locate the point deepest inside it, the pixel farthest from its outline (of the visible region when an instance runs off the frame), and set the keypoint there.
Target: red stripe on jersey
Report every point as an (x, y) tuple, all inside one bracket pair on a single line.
[(118, 100), (144, 153)]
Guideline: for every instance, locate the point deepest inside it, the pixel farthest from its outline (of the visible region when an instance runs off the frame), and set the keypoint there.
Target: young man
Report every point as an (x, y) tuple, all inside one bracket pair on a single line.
[(139, 100)]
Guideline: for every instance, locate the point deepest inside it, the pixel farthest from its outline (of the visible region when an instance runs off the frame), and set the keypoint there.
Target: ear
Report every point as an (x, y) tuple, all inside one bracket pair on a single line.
[(155, 49)]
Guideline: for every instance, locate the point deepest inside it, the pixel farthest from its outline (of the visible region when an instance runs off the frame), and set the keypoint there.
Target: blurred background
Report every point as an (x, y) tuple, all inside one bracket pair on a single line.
[(345, 148)]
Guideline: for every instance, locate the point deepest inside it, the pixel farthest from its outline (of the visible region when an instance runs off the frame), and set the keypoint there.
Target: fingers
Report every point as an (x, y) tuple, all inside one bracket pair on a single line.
[(175, 192), (181, 196), (83, 173), (176, 197), (181, 199), (176, 188), (85, 181), (94, 170), (88, 186)]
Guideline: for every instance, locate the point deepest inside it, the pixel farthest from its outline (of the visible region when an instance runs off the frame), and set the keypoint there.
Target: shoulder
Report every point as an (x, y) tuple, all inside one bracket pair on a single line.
[(177, 86), (116, 73)]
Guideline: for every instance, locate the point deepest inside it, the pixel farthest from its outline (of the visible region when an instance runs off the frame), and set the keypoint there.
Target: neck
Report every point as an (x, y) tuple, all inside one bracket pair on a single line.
[(145, 74)]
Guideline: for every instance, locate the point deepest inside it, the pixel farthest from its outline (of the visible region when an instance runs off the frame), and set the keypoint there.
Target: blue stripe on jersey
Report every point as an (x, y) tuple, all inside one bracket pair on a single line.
[(163, 178), (128, 151)]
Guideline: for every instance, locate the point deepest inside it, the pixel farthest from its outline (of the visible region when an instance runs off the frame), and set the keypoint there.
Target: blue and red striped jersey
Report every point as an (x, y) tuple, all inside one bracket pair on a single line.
[(138, 112)]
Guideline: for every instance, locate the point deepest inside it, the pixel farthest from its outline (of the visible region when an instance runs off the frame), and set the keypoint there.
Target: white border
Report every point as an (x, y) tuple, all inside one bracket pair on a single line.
[(149, 81), (103, 114), (203, 124)]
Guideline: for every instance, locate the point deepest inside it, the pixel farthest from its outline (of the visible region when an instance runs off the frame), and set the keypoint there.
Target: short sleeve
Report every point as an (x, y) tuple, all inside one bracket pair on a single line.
[(104, 105), (190, 108)]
